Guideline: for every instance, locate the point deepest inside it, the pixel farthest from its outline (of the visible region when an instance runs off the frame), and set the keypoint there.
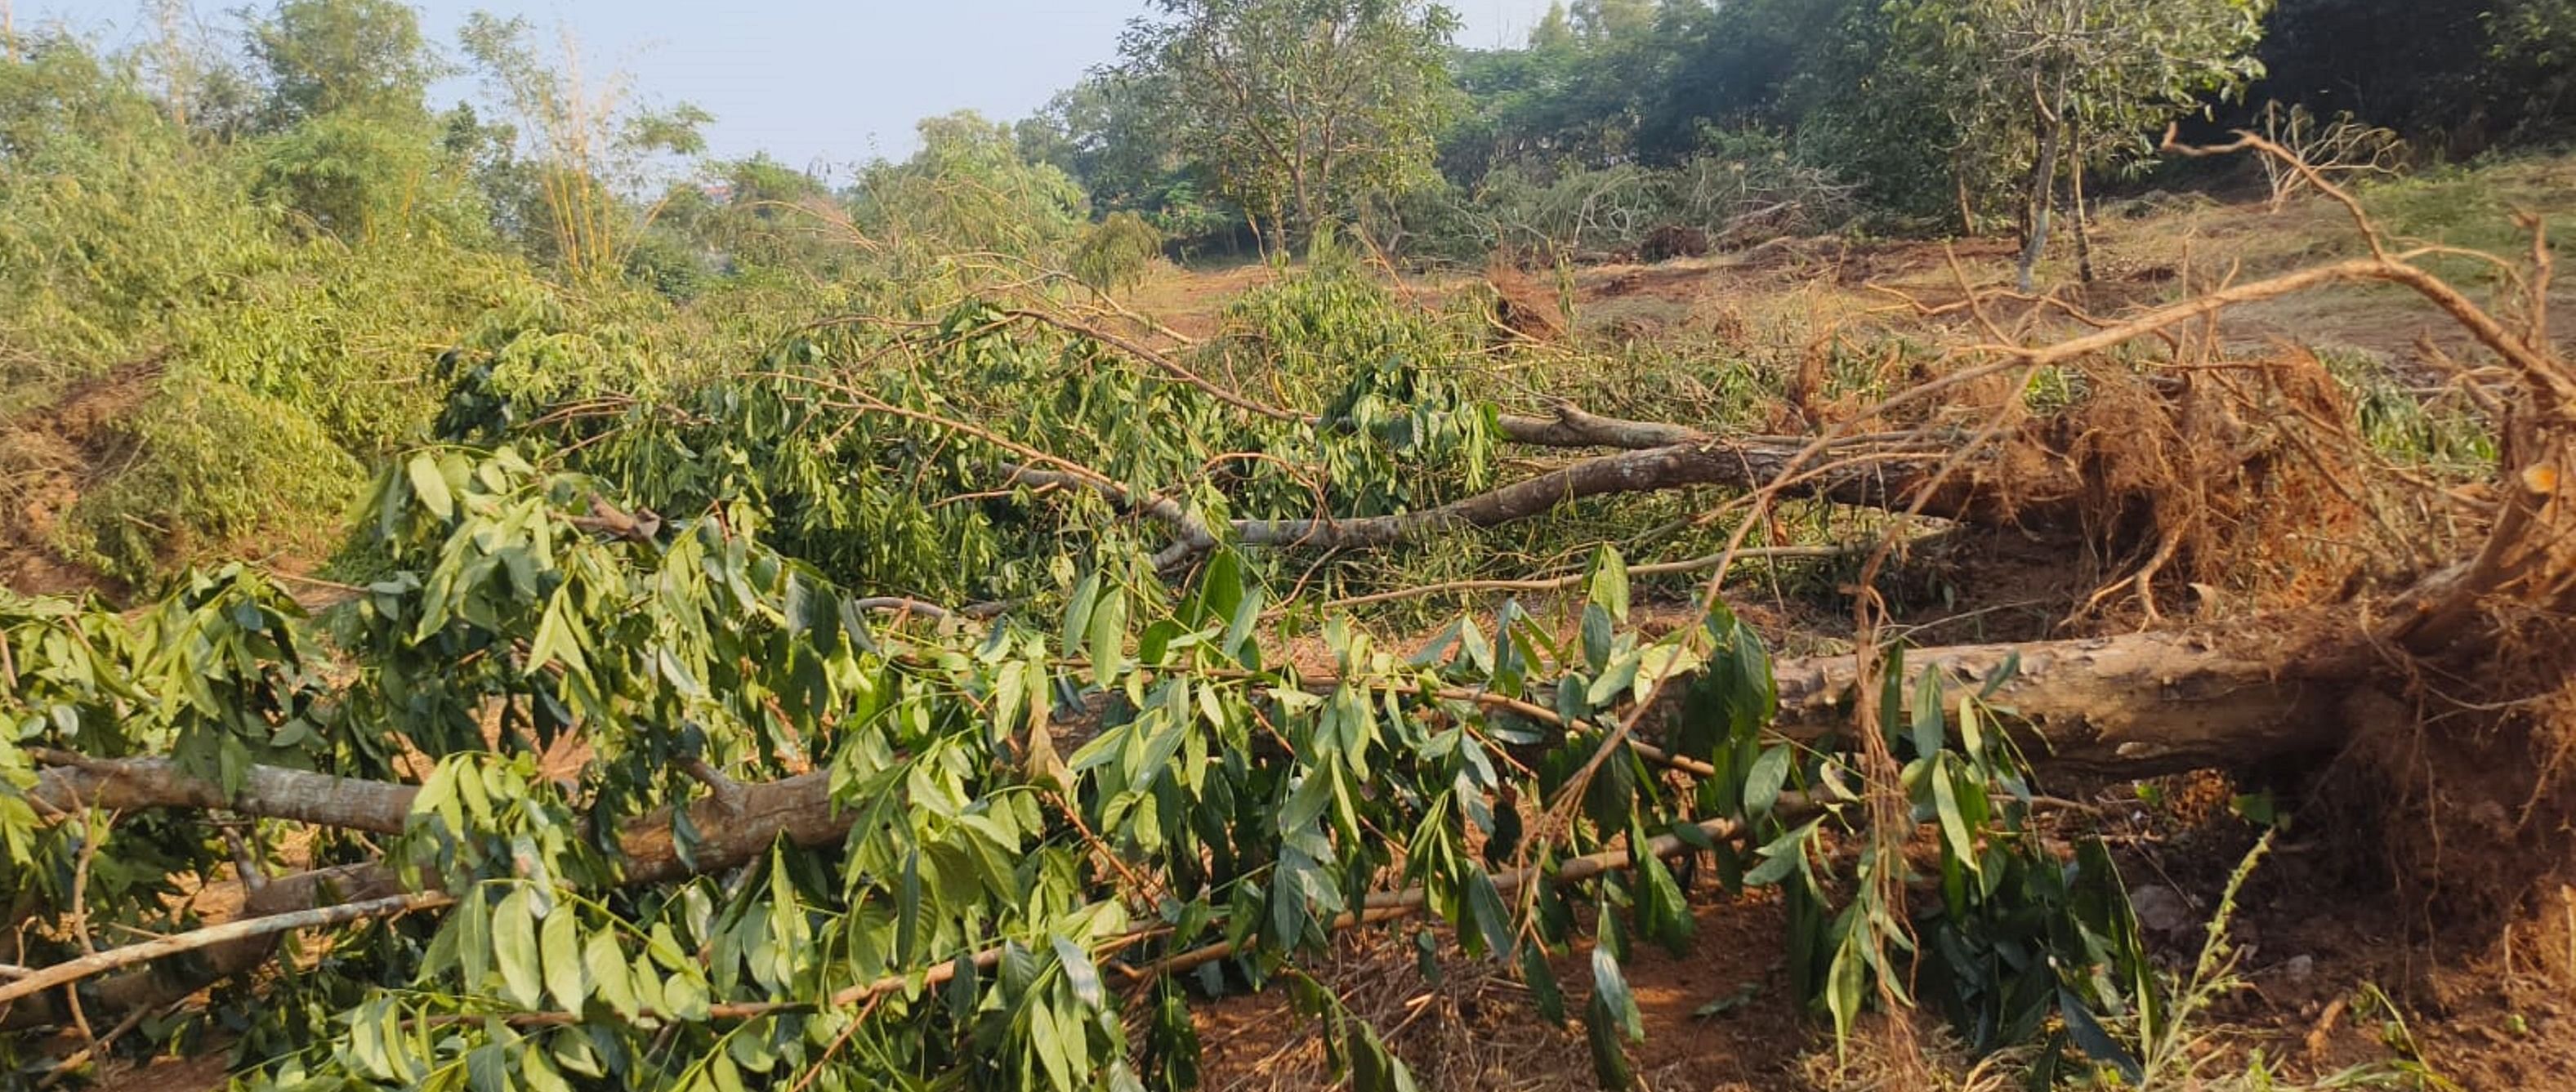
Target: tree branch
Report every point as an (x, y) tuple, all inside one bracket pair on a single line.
[(1882, 478), (45, 978)]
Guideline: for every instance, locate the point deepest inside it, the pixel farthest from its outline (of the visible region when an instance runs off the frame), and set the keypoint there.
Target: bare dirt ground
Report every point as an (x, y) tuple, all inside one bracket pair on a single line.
[(49, 455)]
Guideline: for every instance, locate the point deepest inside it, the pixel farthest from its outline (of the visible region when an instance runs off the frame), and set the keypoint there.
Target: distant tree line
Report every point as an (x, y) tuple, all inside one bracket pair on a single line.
[(1226, 126), (1936, 115)]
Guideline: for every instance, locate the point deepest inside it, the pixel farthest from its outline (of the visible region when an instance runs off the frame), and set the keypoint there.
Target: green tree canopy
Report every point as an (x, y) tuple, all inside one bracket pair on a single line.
[(2084, 81), (969, 189), (327, 56), (1298, 107)]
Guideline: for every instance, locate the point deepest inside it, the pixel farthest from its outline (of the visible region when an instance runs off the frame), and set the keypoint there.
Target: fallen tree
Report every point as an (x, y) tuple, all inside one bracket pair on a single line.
[(799, 810)]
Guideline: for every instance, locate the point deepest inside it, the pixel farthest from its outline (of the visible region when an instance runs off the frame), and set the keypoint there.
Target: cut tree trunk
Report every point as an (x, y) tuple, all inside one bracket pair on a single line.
[(2139, 705)]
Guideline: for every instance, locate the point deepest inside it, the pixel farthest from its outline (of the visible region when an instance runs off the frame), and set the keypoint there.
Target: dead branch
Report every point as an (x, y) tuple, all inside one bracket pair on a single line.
[(70, 782), (1572, 427), (731, 830), (73, 970), (1561, 583), (1882, 479)]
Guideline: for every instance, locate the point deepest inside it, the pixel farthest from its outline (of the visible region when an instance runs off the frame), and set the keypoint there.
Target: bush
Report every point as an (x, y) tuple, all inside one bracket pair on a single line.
[(1673, 241), (1742, 185), (1116, 252), (353, 178), (215, 470)]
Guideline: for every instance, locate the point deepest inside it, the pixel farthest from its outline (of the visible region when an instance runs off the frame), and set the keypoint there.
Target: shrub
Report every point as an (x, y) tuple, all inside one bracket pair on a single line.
[(353, 178), (1115, 253), (215, 470), (1673, 241)]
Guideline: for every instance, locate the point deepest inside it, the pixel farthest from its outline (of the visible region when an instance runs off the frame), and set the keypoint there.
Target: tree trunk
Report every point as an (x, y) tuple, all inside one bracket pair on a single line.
[(2138, 705), (1305, 208), (1967, 207), (2082, 222), (2043, 182)]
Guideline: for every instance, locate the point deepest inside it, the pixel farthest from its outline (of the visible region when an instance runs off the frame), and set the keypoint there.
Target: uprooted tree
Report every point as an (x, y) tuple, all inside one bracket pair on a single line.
[(941, 700)]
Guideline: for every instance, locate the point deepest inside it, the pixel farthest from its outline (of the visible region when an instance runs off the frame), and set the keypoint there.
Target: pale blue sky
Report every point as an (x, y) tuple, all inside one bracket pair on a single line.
[(815, 82)]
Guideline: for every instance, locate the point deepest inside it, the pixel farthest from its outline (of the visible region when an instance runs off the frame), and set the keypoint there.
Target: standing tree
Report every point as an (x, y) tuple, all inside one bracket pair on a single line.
[(330, 56), (969, 190), (1298, 107), (590, 150), (2033, 83)]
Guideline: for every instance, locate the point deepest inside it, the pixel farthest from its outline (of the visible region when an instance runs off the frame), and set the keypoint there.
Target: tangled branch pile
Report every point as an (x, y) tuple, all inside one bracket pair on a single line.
[(666, 750)]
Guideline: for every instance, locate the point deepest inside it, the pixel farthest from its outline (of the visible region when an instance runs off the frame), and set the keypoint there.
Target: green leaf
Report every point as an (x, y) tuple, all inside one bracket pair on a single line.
[(2257, 808), (1610, 583), (1618, 675), (1781, 857), (1612, 1011), (1954, 826), (1663, 913), (1929, 737), (2094, 1040), (1844, 980), (962, 988), (727, 1078), (1046, 1038), (907, 912), (1307, 802), (1219, 592), (1541, 980), (608, 973), (561, 940), (1079, 973), (1373, 1067), (1611, 987), (538, 1074), (2003, 675), (664, 946), (1596, 637), (1108, 644), (514, 949), (1493, 920), (554, 639), (1762, 785), (487, 1069), (430, 486), (685, 996), (1077, 615)]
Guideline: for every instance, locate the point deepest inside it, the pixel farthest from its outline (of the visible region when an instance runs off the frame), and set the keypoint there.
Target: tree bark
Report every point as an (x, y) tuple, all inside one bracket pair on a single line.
[(2132, 706), (731, 833), (1572, 427), (132, 784), (1893, 483), (1967, 208), (2043, 183), (2075, 192)]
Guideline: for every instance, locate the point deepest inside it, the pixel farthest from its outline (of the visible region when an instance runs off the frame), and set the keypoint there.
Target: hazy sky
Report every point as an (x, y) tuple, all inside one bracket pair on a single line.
[(816, 82)]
